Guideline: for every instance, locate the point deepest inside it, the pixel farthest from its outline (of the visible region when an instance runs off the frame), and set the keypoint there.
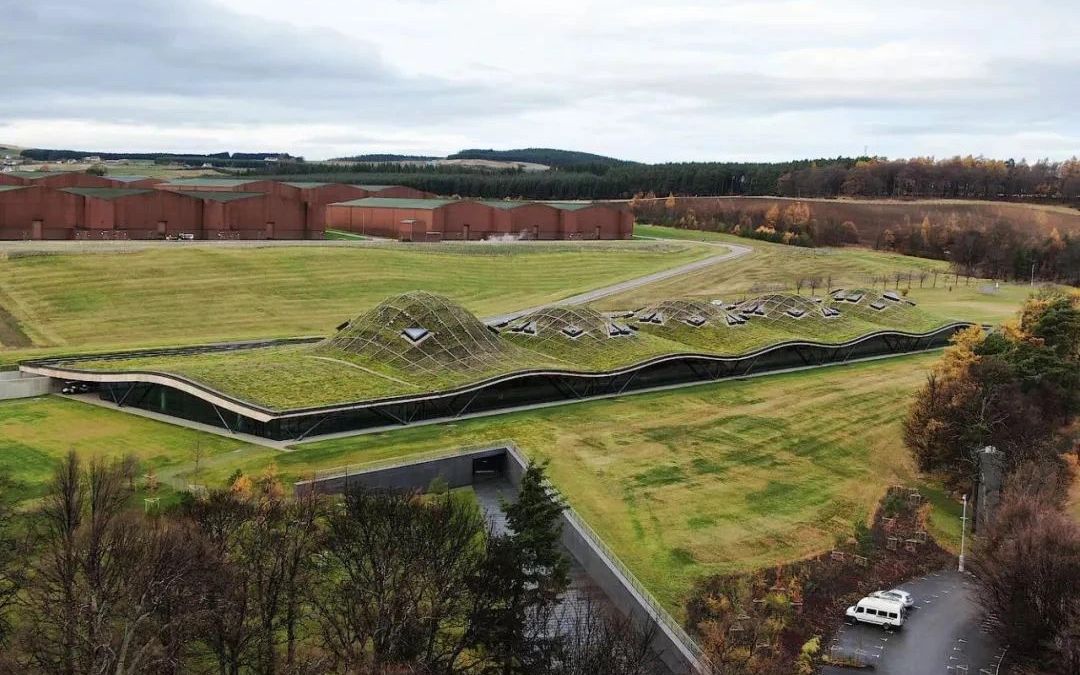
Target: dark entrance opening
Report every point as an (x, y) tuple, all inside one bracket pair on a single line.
[(487, 467)]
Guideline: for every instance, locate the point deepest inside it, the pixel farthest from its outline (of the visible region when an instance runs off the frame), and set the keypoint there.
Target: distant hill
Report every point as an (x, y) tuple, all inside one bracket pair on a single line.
[(547, 156), (385, 157)]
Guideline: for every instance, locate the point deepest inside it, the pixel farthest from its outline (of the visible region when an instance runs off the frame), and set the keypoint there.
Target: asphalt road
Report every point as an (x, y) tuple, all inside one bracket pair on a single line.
[(734, 251), (943, 634)]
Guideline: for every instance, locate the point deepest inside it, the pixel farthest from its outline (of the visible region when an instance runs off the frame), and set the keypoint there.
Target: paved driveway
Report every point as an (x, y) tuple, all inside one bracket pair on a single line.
[(943, 634)]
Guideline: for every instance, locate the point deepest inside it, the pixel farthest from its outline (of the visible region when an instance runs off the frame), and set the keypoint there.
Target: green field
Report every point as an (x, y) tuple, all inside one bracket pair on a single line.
[(776, 264), (36, 433), (162, 296), (723, 477)]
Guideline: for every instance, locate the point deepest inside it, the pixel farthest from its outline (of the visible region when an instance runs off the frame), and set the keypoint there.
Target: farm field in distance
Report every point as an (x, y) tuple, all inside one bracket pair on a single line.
[(158, 295), (976, 300)]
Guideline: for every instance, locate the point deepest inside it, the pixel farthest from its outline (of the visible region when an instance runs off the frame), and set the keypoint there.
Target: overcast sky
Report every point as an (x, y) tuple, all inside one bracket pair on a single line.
[(649, 81)]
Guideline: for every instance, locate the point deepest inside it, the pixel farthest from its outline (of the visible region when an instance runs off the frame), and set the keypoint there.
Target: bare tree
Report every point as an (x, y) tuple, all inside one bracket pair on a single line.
[(110, 592), (602, 641), (1026, 566)]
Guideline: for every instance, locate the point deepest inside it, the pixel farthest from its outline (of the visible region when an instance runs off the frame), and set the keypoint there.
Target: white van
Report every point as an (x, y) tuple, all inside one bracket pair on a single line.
[(878, 611)]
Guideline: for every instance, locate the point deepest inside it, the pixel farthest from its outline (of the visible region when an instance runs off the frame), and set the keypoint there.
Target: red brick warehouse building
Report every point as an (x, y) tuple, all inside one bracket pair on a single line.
[(466, 219), (31, 212)]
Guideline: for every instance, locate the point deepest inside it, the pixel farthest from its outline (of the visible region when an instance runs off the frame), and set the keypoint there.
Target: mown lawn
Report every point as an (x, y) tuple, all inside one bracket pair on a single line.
[(775, 264), (716, 478), (36, 433), (185, 295), (724, 477)]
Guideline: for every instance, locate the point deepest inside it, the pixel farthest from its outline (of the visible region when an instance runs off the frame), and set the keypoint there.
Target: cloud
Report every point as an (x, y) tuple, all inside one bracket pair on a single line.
[(762, 79)]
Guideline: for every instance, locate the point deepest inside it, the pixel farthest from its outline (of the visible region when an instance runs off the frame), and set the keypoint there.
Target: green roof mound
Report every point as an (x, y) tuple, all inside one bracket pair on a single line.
[(580, 338), (417, 332)]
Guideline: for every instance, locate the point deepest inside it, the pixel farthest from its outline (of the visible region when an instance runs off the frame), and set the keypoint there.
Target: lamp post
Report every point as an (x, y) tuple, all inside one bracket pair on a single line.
[(963, 530)]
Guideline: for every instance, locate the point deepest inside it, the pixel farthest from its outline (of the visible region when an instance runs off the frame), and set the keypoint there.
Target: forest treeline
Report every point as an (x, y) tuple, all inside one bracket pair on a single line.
[(245, 579), (954, 178), (979, 240)]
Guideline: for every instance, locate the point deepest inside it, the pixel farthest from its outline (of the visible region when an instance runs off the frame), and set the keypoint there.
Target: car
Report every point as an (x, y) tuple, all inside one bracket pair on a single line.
[(879, 612), (75, 388), (903, 597)]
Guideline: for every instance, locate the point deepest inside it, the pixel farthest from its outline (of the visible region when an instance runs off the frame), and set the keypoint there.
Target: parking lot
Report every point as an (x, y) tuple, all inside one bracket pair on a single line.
[(943, 634)]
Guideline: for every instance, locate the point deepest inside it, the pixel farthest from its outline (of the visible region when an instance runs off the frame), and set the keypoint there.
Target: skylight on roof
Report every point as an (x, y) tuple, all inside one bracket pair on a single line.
[(878, 305), (696, 320), (830, 312), (416, 335), (891, 295), (854, 297), (796, 313), (573, 332), (617, 330)]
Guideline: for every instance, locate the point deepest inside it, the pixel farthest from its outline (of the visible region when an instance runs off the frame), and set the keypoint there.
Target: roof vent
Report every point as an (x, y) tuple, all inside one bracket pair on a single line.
[(416, 335)]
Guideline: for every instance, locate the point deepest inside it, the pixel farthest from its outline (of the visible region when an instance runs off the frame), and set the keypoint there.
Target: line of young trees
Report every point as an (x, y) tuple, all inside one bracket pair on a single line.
[(248, 580), (1017, 390)]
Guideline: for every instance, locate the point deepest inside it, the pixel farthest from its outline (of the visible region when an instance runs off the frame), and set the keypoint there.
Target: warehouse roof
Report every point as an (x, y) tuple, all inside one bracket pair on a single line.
[(213, 196), (376, 188), (35, 175), (211, 182), (128, 179), (306, 184), (396, 203), (105, 193), (430, 204)]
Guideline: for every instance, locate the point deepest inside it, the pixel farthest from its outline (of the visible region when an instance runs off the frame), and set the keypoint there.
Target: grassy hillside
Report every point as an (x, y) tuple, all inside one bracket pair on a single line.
[(547, 156), (776, 267), (721, 477), (161, 295)]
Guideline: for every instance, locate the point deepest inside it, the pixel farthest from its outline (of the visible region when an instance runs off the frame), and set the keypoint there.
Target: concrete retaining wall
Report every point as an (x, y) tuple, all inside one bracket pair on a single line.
[(15, 384), (583, 545)]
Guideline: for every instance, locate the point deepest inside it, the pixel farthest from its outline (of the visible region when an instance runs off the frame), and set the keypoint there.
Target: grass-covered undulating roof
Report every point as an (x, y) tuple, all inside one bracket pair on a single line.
[(9, 188), (421, 342)]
